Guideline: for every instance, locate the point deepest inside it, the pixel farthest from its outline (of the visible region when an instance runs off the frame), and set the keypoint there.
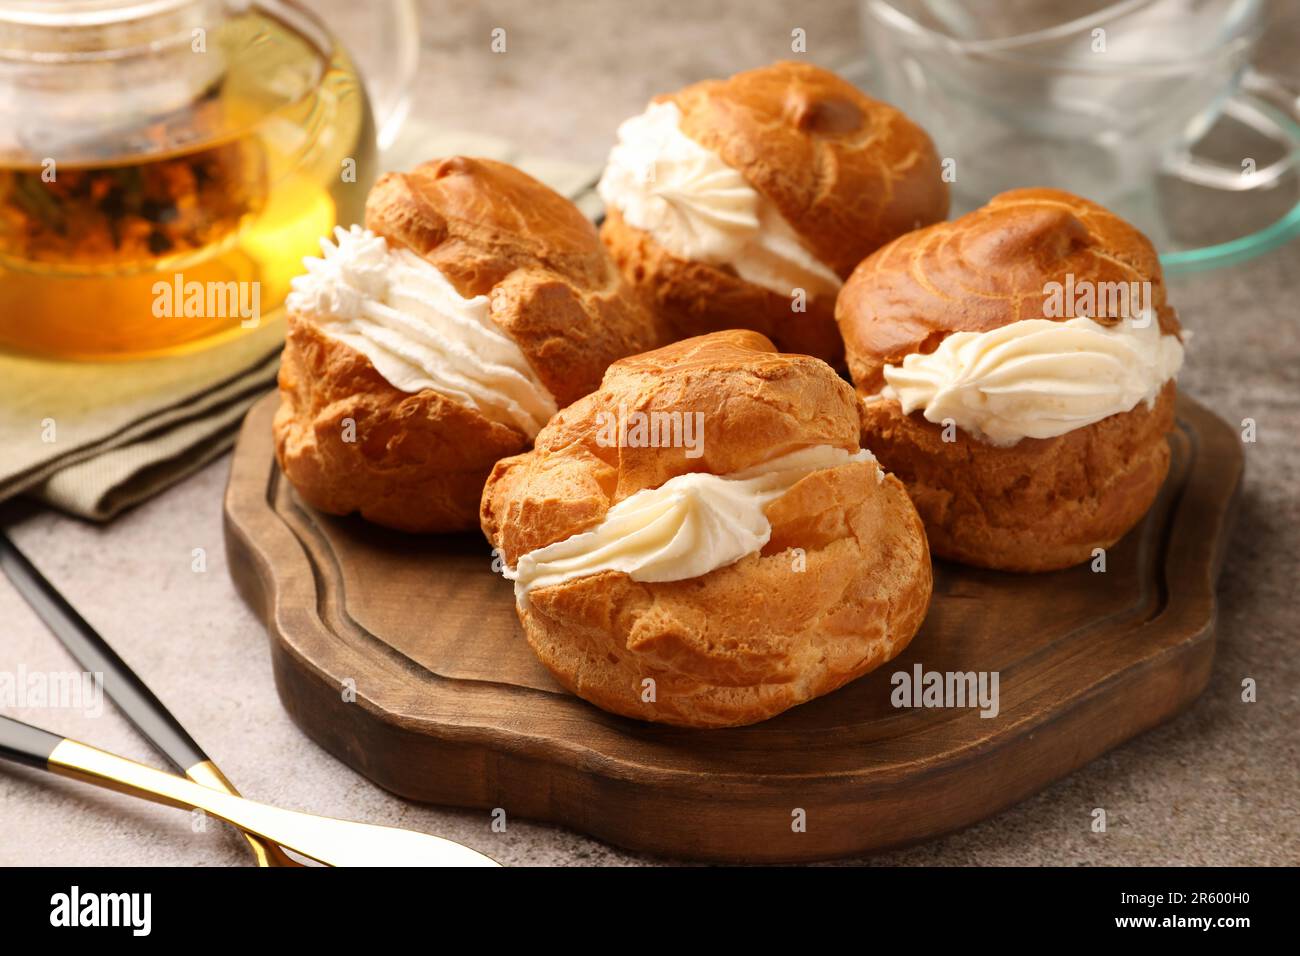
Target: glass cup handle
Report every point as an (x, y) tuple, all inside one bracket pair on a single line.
[(1270, 107)]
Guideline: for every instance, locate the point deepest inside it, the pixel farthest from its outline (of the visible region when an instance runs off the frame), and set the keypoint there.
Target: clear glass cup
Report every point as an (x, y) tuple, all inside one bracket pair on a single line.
[(1095, 96)]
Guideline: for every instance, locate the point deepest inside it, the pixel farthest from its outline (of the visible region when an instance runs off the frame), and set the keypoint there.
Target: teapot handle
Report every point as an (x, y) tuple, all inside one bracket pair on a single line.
[(383, 42), (389, 83)]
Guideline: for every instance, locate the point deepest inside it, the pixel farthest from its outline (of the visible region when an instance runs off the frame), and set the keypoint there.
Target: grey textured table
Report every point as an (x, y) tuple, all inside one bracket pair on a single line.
[(1216, 786)]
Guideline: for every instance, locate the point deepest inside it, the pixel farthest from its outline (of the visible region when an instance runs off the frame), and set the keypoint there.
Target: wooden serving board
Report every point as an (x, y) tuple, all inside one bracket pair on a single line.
[(451, 707)]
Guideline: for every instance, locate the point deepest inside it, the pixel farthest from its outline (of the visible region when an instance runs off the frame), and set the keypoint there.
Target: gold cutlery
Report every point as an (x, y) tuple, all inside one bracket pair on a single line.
[(165, 733), (141, 706), (324, 839)]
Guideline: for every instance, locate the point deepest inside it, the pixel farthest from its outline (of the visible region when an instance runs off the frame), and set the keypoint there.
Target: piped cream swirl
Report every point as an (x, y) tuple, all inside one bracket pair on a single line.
[(699, 208), (688, 526), (399, 311), (1036, 378)]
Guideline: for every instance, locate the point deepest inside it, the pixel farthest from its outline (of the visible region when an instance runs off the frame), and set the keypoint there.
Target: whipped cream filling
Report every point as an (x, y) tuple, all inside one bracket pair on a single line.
[(399, 311), (699, 208), (1036, 378), (688, 526)]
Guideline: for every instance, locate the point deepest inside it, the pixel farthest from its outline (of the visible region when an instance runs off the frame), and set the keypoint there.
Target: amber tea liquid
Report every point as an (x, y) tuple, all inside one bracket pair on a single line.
[(236, 188)]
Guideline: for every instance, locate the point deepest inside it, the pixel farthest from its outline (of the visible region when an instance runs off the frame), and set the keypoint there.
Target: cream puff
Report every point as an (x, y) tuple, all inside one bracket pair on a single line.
[(441, 338), (1017, 370), (745, 203), (704, 542)]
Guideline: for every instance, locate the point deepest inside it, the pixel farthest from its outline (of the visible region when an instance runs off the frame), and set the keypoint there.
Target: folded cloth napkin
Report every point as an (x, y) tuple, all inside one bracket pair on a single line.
[(94, 438)]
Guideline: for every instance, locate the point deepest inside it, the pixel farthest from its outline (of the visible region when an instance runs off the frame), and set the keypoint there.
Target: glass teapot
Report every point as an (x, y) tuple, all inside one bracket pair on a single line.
[(165, 165)]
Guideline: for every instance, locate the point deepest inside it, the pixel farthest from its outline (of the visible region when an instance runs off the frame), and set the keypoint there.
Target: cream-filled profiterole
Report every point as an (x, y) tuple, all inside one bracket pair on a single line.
[(440, 338), (1029, 426), (776, 566), (745, 202)]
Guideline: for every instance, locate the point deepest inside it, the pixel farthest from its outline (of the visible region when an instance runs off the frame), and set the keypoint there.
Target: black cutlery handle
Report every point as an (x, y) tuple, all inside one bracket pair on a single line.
[(94, 654), (26, 744)]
